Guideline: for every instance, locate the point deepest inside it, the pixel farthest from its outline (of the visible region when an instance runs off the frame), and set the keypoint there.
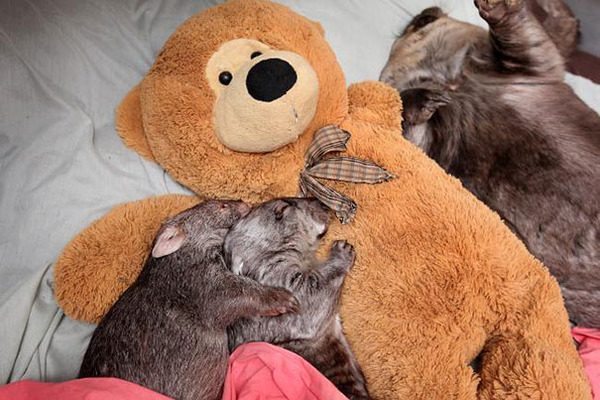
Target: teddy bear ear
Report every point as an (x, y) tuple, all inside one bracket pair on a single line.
[(130, 126), (319, 28)]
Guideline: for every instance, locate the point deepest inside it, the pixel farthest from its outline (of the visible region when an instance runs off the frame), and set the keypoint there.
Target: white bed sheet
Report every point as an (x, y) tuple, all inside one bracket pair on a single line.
[(64, 66)]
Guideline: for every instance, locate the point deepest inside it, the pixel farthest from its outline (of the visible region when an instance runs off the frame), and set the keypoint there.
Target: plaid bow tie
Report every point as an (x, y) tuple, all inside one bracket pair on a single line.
[(340, 168)]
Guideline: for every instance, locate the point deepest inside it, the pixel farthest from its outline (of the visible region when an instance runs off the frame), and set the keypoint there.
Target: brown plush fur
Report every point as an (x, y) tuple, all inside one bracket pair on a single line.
[(438, 278), (129, 119), (94, 255)]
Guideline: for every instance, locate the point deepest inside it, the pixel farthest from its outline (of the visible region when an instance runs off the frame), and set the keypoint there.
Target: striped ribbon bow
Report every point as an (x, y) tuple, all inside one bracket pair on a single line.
[(339, 168)]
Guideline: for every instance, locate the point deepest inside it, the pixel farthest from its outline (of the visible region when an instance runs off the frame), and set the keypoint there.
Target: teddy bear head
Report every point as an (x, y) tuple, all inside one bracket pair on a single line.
[(234, 96)]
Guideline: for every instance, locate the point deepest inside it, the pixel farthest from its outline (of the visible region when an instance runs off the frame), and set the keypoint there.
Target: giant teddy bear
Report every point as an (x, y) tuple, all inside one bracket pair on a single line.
[(233, 108)]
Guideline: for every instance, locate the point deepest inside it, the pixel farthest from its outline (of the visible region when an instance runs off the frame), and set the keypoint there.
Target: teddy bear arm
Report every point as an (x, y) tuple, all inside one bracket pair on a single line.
[(375, 103), (104, 259)]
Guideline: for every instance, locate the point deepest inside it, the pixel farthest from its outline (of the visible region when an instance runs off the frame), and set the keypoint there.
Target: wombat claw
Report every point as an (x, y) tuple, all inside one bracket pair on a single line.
[(280, 301), (496, 9)]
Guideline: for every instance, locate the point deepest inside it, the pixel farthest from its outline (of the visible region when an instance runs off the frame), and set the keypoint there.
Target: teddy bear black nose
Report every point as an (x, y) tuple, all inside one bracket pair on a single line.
[(270, 79)]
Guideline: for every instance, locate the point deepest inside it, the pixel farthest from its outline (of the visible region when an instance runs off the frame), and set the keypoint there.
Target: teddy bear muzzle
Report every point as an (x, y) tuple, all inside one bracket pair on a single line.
[(268, 99)]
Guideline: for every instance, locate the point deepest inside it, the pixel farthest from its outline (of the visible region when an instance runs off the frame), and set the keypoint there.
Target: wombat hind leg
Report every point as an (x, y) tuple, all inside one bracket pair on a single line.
[(333, 357)]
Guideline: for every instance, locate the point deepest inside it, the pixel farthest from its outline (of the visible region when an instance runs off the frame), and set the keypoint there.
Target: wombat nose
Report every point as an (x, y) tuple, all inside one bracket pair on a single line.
[(426, 17), (270, 79), (435, 11)]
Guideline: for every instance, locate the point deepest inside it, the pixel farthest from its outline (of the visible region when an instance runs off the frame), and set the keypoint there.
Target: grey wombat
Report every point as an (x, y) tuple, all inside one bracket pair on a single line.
[(275, 245), (167, 332)]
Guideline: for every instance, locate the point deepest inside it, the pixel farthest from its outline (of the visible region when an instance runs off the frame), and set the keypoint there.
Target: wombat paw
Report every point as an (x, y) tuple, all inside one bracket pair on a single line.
[(496, 10), (280, 301), (436, 97), (344, 251)]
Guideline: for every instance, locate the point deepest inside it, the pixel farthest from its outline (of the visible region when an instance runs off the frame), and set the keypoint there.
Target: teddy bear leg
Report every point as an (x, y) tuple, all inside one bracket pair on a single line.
[(529, 368), (435, 373), (445, 378), (539, 362), (104, 259), (424, 363)]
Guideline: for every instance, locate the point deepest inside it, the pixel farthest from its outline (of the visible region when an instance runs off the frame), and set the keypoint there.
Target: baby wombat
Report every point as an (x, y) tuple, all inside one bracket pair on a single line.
[(167, 332), (275, 245)]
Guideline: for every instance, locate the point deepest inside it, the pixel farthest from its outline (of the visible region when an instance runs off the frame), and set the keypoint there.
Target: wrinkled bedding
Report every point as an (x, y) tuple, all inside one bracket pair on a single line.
[(64, 66)]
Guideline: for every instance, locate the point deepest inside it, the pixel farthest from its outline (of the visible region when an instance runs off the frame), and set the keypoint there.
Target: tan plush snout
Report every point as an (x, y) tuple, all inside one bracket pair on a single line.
[(265, 98)]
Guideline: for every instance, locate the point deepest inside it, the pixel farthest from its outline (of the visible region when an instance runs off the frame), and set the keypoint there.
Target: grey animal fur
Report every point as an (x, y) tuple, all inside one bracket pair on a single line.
[(275, 245), (492, 109), (167, 332)]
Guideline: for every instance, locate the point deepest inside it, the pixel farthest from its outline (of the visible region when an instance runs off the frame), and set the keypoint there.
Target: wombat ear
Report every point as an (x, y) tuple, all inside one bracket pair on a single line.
[(169, 240)]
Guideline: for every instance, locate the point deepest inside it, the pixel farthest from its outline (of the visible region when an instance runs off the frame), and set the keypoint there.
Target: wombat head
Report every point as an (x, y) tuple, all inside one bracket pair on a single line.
[(286, 227), (202, 227), (432, 49)]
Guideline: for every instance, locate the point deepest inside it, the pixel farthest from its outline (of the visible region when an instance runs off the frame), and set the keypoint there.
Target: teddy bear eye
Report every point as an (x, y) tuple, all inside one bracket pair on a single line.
[(255, 54), (225, 78)]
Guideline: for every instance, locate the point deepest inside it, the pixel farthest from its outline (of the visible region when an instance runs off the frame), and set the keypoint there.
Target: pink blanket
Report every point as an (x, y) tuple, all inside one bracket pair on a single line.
[(78, 389), (260, 371), (257, 371), (589, 351)]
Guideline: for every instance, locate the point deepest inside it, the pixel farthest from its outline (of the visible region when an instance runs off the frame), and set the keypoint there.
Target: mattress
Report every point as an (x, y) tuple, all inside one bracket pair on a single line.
[(64, 67)]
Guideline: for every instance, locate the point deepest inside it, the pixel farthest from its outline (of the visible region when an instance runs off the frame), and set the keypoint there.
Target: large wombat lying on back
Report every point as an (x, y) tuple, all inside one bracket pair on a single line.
[(493, 110)]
